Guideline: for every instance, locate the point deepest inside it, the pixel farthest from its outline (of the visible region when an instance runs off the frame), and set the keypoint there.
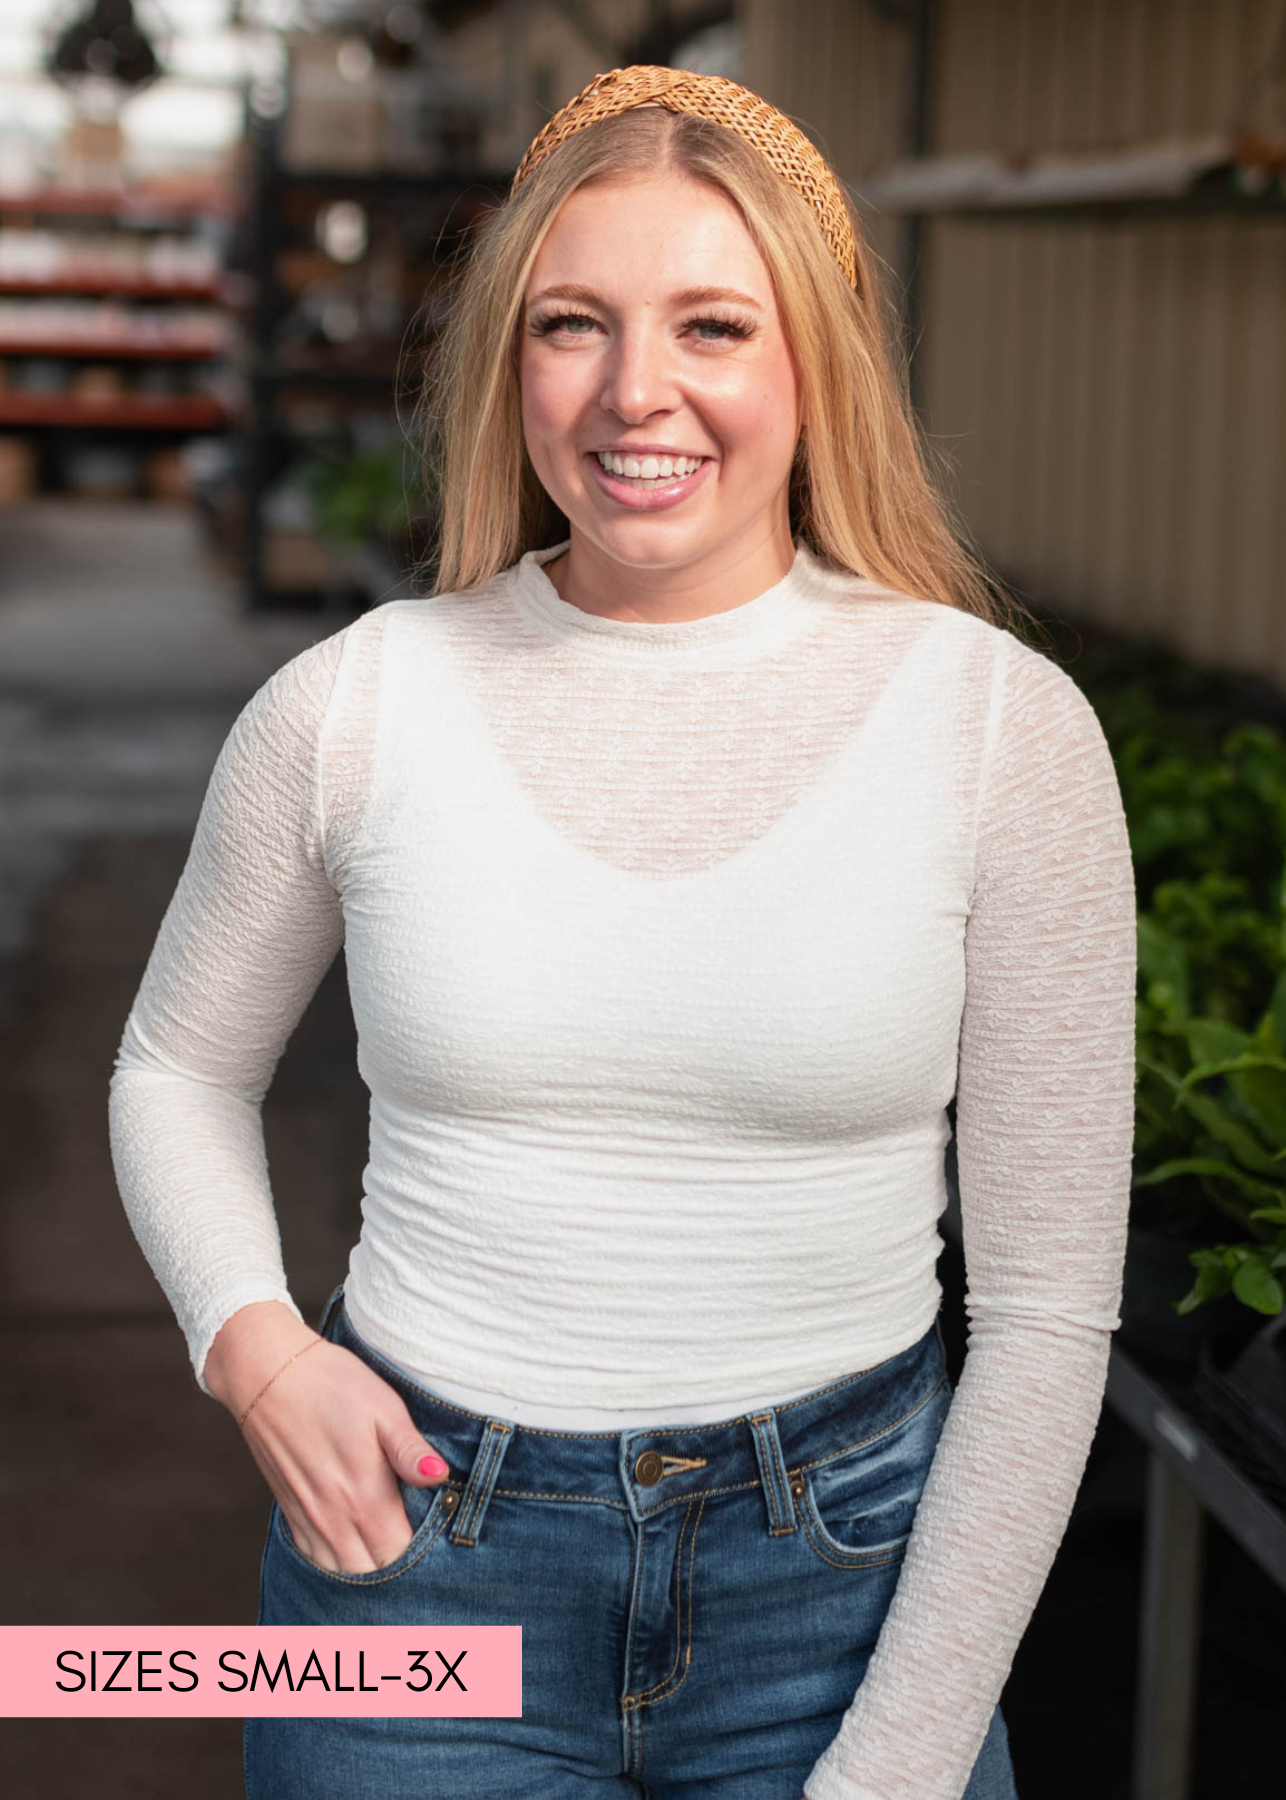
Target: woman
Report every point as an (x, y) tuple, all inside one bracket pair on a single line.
[(699, 841)]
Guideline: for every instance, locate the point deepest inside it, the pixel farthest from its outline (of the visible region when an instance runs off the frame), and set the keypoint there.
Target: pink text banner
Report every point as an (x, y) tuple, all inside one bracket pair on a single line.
[(253, 1671)]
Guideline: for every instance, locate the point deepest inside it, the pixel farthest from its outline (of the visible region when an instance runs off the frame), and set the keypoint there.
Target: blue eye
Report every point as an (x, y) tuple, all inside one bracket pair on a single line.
[(732, 327), (725, 328), (552, 321)]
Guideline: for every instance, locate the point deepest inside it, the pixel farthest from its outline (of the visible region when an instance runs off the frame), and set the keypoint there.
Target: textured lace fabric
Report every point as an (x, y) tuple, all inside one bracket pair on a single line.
[(668, 946)]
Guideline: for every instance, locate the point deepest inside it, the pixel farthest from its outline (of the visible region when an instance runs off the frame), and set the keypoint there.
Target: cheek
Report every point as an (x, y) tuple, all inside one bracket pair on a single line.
[(781, 405), (759, 414), (762, 435), (529, 391), (539, 396), (549, 406)]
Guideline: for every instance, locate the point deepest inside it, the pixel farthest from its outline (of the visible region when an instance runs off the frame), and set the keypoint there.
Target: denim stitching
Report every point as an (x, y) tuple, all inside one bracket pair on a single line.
[(633, 1739), (769, 1449), (633, 1700), (532, 1494), (811, 1519), (375, 1578), (821, 1461), (476, 1484), (830, 1388), (635, 1593), (473, 1500), (863, 1559), (735, 1487), (650, 1696)]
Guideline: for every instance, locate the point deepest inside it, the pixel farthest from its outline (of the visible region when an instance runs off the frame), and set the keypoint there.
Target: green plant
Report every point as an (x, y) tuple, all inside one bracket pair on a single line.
[(1220, 1121), (1206, 809), (361, 496)]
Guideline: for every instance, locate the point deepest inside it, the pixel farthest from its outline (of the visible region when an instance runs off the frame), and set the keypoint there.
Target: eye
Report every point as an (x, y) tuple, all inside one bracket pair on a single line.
[(722, 328), (726, 327), (553, 321)]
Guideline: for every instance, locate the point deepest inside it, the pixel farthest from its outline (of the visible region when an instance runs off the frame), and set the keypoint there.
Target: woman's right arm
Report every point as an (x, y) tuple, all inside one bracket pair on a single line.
[(252, 927)]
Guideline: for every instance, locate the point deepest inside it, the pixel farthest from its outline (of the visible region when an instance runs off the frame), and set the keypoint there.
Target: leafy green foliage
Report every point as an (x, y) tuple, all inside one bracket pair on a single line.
[(361, 496), (1206, 806)]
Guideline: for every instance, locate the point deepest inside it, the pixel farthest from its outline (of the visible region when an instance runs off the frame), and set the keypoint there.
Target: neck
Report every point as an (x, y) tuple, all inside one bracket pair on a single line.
[(589, 577)]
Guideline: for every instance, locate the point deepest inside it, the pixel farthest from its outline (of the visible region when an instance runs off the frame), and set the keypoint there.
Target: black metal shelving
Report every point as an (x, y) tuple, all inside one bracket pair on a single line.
[(100, 284), (1197, 1467), (270, 371)]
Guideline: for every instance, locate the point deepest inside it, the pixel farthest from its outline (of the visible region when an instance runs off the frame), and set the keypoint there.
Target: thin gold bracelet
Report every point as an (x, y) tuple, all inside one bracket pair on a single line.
[(281, 1371)]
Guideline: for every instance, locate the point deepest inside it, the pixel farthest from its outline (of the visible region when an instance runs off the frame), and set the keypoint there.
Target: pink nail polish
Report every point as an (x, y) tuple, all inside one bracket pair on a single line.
[(432, 1468)]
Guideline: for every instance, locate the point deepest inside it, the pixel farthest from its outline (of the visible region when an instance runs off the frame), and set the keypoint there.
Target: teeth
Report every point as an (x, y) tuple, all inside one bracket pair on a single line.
[(648, 468)]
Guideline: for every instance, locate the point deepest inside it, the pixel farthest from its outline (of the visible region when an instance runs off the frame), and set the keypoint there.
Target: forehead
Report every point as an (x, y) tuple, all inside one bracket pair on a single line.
[(668, 227)]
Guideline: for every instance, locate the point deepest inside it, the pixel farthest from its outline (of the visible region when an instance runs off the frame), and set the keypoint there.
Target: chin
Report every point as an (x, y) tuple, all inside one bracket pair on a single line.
[(650, 548), (647, 538)]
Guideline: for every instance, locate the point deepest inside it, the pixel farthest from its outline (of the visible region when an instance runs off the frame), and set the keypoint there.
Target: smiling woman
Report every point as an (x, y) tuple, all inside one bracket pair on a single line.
[(693, 847), (637, 373), (635, 228)]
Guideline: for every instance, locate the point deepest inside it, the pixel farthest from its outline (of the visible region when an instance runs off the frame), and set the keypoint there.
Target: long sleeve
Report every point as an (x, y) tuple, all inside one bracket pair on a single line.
[(252, 926), (1044, 1135)]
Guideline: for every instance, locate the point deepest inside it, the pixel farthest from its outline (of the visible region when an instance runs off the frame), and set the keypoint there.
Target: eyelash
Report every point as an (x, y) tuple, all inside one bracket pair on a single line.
[(735, 328)]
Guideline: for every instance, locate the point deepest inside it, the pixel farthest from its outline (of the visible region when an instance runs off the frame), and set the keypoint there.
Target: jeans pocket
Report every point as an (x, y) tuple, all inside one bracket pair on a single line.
[(429, 1513), (857, 1506)]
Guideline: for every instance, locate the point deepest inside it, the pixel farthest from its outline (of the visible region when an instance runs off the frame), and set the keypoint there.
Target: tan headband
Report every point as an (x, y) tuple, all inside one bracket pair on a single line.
[(725, 102)]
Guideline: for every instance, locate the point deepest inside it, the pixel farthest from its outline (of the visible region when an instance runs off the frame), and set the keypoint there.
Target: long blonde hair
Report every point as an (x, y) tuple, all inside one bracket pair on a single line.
[(860, 490)]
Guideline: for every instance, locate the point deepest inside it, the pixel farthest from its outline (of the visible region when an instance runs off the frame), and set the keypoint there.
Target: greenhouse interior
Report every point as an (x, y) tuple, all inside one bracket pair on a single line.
[(231, 236)]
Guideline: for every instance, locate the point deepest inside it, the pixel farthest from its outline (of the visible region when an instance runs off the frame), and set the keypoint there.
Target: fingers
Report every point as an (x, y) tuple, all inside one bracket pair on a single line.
[(342, 1552), (355, 1532), (413, 1458), (333, 1440)]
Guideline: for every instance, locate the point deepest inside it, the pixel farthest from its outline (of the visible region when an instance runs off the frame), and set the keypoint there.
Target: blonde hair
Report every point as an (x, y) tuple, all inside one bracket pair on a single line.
[(860, 493)]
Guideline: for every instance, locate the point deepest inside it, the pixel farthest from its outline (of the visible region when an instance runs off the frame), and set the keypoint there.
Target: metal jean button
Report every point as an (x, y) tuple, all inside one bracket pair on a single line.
[(648, 1468)]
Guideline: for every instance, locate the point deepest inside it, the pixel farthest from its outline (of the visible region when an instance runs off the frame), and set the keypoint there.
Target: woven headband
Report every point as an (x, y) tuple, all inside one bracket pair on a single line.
[(725, 102)]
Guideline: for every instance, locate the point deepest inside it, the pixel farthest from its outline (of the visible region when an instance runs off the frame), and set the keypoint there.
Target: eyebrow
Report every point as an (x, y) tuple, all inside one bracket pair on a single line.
[(692, 296)]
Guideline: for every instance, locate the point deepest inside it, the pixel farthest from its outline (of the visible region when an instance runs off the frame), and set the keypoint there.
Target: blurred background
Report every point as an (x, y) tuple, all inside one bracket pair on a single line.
[(224, 231)]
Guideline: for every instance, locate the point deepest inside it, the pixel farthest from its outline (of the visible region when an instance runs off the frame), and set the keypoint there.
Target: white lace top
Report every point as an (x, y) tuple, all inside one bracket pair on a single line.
[(668, 945)]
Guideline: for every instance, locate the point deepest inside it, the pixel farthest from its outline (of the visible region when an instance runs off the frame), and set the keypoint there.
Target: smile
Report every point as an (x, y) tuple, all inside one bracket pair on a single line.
[(647, 468), (651, 492)]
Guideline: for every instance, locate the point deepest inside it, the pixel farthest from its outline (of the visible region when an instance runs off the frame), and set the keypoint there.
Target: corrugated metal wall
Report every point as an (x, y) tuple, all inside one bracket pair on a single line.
[(842, 72), (1112, 396)]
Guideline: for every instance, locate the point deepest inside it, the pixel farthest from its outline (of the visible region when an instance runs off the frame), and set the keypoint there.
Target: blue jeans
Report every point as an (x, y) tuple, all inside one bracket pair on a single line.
[(698, 1604)]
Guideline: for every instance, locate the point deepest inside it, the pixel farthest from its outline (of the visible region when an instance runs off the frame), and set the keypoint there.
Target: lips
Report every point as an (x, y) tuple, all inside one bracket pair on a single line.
[(665, 494)]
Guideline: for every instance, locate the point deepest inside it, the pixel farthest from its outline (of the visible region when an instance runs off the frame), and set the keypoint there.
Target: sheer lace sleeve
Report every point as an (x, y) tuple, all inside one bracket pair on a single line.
[(1044, 1133), (252, 927)]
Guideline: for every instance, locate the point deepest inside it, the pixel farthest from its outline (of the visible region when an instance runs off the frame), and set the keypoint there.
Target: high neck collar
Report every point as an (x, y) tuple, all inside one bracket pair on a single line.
[(771, 618)]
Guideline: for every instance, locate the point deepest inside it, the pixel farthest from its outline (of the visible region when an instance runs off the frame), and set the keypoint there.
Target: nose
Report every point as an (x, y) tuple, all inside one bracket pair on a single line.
[(638, 378)]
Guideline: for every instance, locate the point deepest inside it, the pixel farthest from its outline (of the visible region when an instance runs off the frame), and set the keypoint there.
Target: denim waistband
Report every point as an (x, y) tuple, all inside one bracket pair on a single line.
[(651, 1468)]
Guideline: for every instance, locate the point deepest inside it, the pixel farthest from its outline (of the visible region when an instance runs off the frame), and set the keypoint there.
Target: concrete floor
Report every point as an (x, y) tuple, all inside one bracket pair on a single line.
[(126, 1496)]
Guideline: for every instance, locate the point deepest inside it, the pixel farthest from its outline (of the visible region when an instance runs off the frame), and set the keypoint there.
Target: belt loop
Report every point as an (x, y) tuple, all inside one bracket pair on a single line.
[(330, 1309), (772, 1470), (482, 1479)]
